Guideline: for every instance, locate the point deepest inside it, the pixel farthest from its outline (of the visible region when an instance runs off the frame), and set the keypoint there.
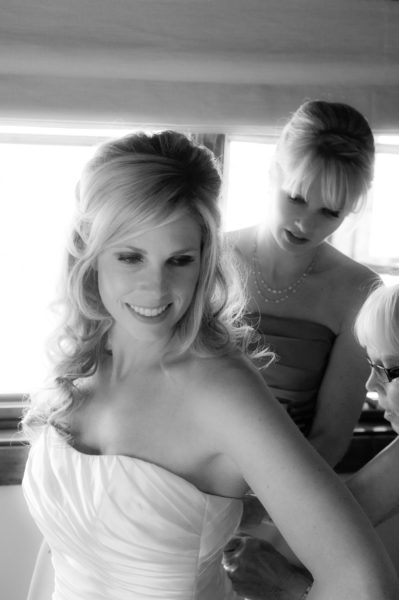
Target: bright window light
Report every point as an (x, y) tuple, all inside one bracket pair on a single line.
[(384, 241), (246, 183), (370, 238), (37, 199)]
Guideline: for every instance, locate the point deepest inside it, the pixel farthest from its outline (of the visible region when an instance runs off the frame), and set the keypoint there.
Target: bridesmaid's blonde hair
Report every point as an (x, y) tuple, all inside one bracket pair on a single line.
[(330, 142)]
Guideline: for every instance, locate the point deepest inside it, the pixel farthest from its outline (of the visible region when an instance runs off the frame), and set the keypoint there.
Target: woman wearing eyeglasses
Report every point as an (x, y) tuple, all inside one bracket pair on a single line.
[(376, 485)]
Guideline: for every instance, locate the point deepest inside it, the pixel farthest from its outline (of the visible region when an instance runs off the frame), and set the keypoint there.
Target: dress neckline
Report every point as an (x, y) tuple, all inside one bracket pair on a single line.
[(300, 322), (142, 461)]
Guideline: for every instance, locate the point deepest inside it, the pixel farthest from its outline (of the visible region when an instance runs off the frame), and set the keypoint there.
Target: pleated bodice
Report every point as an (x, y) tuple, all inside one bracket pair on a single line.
[(122, 528)]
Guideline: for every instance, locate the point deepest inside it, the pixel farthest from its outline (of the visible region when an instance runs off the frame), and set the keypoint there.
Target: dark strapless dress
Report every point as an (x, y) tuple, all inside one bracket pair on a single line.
[(303, 349)]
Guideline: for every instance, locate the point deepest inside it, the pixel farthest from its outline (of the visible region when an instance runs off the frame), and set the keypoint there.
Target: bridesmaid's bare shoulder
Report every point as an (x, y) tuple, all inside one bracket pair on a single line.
[(347, 272), (346, 282)]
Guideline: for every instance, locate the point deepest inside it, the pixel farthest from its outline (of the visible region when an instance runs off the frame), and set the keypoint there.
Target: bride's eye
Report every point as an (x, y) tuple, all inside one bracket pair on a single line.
[(182, 260), (129, 258)]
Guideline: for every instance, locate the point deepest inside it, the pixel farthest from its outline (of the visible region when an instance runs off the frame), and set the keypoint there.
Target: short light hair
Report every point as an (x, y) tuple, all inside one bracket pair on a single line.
[(331, 142), (377, 324)]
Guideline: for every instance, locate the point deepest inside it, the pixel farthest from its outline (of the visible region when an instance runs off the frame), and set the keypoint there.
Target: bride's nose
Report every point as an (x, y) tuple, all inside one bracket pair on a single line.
[(154, 279)]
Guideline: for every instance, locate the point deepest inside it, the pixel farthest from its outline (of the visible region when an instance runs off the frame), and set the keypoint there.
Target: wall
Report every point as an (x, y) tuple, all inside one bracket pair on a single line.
[(19, 544), (221, 65)]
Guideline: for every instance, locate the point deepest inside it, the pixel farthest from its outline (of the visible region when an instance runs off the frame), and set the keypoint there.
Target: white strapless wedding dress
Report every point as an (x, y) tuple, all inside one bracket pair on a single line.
[(122, 528)]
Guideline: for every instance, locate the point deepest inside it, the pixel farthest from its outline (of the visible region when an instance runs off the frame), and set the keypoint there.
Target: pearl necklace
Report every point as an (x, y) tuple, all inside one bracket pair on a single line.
[(275, 295)]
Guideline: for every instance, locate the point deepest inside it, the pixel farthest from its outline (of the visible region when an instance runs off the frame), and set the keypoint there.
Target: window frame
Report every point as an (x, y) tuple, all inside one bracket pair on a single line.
[(13, 445), (74, 135), (382, 146)]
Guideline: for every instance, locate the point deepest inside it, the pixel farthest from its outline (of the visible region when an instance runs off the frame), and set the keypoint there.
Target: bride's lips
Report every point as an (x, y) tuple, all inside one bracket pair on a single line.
[(149, 314), (294, 239)]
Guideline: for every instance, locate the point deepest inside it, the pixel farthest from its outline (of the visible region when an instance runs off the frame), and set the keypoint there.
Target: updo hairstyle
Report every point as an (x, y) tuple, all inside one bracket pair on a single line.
[(330, 142)]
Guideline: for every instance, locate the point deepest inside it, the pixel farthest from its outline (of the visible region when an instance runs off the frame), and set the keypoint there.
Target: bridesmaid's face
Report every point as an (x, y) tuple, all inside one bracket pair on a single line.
[(299, 224)]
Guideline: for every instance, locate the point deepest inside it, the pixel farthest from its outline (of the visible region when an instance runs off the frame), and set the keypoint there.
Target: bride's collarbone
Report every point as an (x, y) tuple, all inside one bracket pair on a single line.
[(126, 423), (163, 432)]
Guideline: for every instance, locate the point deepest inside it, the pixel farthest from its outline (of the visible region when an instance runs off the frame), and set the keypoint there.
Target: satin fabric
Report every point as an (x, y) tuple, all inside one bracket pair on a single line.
[(303, 349), (122, 528)]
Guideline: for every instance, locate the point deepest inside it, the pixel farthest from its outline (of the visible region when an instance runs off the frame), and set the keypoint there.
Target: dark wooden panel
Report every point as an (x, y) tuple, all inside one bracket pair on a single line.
[(370, 436), (13, 454)]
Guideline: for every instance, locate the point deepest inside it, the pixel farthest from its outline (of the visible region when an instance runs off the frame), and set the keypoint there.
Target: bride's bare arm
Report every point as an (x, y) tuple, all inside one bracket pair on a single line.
[(376, 485), (312, 508)]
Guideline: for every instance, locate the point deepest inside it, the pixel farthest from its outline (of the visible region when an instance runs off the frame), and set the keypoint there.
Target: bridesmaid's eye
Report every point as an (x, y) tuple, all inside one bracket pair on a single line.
[(297, 199), (327, 212)]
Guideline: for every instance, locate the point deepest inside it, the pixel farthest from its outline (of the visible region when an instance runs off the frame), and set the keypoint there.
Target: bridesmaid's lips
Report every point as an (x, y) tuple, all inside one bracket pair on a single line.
[(294, 239)]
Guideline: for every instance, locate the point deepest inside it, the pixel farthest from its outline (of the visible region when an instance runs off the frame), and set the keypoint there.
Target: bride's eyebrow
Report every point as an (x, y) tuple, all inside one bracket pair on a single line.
[(135, 249), (192, 249), (184, 250)]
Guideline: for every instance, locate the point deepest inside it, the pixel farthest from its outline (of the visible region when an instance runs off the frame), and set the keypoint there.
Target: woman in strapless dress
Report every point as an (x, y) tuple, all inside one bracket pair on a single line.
[(303, 294), (155, 421)]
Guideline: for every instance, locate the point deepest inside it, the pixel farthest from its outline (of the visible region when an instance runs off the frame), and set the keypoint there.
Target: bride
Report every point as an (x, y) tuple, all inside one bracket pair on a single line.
[(154, 422)]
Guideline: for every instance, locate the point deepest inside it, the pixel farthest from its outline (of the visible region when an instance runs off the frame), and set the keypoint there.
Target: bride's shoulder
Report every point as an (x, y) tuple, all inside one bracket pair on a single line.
[(224, 379)]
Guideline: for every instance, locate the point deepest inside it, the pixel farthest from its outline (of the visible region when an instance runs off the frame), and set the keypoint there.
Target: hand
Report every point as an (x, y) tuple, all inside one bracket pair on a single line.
[(253, 512), (259, 572)]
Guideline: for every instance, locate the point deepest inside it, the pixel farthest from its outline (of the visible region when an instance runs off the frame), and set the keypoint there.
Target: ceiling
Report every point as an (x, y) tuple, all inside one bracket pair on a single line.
[(218, 64)]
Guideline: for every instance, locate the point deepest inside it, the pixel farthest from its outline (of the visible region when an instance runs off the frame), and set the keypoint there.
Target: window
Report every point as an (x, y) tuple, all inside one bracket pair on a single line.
[(37, 199), (246, 181), (39, 173), (370, 237)]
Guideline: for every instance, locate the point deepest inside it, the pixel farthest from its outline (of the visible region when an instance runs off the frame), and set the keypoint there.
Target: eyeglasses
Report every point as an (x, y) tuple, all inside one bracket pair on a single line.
[(390, 374)]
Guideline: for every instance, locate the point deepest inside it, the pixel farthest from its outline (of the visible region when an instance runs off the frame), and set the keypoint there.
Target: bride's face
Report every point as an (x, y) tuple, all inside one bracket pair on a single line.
[(148, 283)]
